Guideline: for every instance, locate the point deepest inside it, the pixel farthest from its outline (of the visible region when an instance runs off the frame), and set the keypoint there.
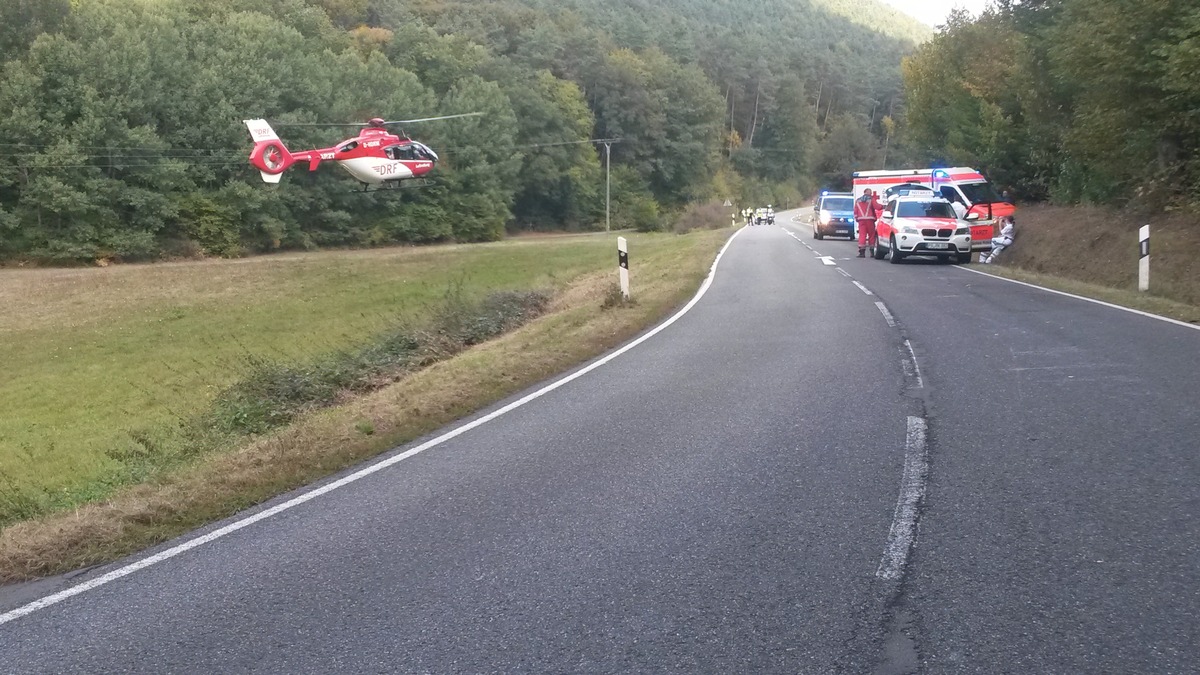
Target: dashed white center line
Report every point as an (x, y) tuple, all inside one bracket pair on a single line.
[(912, 491), (862, 288), (916, 366), (843, 272), (805, 244), (887, 316)]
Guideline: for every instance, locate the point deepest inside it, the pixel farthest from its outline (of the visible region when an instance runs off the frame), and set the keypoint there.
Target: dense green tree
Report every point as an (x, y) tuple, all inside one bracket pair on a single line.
[(849, 147), (480, 176), (1122, 134), (21, 21), (667, 116), (789, 135), (1082, 100), (560, 173)]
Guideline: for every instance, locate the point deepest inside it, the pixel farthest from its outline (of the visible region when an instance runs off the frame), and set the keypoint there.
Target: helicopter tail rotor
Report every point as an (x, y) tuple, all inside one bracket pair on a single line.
[(269, 155)]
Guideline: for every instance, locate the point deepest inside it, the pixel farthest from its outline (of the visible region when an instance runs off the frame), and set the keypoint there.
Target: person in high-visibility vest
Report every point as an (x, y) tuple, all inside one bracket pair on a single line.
[(867, 210)]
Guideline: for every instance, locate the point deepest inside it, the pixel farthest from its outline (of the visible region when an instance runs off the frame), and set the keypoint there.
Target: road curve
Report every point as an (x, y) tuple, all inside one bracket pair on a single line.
[(713, 499), (827, 465)]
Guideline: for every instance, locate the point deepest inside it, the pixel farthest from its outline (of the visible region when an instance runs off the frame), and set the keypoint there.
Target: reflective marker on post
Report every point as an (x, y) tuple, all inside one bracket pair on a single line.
[(623, 265), (1144, 258)]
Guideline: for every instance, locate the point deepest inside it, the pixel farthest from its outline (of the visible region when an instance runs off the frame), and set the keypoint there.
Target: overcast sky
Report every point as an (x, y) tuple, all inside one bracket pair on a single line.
[(934, 12)]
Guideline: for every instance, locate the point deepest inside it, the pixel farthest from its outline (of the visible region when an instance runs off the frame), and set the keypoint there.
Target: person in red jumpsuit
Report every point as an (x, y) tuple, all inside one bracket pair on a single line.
[(867, 210)]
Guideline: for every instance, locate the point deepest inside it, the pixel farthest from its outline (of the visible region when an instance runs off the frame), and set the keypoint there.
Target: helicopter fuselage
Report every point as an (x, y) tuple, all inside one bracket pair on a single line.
[(375, 171), (374, 157)]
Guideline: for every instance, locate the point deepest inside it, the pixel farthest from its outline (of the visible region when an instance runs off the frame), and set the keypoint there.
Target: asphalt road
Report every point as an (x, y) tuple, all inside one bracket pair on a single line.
[(735, 494)]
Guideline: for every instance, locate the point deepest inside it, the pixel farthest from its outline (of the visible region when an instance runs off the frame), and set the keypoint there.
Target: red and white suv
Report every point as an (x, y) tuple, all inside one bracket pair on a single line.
[(921, 224)]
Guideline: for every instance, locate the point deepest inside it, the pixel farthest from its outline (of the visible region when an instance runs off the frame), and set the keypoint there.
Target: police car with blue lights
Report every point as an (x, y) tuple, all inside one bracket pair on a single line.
[(833, 215)]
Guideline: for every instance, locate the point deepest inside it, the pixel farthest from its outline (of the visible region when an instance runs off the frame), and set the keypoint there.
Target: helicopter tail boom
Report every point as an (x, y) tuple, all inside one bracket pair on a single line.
[(269, 155)]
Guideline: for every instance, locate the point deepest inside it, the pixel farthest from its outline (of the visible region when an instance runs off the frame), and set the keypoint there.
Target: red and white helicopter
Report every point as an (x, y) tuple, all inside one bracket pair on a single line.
[(375, 157)]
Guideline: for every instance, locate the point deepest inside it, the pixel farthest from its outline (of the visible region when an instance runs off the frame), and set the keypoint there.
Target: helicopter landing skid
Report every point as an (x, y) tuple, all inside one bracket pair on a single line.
[(398, 185)]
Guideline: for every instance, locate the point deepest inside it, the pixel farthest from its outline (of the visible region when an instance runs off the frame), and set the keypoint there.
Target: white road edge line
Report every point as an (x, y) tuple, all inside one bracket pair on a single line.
[(126, 570), (1177, 322), (916, 366), (887, 316), (912, 491), (862, 288)]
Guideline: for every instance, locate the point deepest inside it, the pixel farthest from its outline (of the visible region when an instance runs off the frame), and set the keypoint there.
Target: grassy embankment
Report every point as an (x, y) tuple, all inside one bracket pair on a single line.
[(1093, 252), (99, 361)]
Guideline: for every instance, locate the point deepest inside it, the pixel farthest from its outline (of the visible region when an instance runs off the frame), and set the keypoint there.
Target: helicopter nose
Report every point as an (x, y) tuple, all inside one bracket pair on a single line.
[(427, 151)]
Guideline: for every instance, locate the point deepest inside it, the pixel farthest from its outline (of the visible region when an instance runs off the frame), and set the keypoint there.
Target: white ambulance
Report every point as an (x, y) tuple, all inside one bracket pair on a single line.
[(971, 195)]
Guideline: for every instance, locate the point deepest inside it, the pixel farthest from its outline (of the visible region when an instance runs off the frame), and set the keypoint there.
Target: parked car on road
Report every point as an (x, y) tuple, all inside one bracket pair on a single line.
[(921, 224)]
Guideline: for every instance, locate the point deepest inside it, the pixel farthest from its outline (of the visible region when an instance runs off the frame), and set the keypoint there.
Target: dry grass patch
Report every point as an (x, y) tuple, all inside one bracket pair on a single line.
[(1099, 246)]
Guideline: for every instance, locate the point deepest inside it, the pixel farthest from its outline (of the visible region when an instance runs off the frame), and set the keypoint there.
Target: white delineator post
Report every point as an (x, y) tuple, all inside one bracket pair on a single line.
[(1144, 258), (607, 184), (623, 265)]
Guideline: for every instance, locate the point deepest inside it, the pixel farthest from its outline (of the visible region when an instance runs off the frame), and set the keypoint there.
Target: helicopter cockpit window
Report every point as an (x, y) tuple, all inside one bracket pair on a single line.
[(424, 152), (401, 152), (348, 147)]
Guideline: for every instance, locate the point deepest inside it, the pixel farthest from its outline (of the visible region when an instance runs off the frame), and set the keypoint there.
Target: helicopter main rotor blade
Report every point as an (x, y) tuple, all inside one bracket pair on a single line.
[(431, 119), (368, 123), (320, 124)]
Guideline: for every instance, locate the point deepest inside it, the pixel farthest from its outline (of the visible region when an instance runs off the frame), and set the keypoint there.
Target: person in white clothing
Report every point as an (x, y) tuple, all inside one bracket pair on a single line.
[(1000, 243)]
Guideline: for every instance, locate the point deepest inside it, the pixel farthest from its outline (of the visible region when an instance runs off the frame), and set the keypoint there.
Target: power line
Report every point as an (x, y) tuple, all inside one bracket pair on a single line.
[(170, 151), (526, 146), (232, 160)]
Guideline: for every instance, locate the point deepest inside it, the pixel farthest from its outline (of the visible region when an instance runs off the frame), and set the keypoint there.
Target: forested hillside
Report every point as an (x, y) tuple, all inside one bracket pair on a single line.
[(1094, 101), (121, 134)]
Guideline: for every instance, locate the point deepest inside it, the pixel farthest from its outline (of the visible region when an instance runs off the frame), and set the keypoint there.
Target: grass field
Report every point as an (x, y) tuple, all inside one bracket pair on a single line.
[(91, 354)]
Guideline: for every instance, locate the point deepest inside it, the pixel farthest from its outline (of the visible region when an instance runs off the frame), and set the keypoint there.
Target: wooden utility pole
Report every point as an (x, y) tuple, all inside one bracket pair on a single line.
[(754, 120), (607, 183), (732, 121)]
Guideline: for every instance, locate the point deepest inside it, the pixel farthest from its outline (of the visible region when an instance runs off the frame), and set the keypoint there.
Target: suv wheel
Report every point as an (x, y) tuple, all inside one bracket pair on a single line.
[(897, 256), (963, 258)]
